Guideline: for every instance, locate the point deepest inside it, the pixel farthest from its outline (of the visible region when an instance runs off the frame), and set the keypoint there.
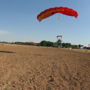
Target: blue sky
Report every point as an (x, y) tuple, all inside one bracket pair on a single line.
[(18, 21)]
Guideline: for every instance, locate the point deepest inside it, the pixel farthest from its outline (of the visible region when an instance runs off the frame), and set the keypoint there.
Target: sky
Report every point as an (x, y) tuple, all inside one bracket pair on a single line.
[(18, 21)]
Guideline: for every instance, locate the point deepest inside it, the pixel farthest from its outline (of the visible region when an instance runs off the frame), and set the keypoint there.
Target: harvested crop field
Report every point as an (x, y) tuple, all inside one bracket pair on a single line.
[(42, 68)]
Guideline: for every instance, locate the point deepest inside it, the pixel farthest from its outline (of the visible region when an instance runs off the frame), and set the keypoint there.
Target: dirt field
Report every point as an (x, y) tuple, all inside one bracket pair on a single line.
[(41, 68)]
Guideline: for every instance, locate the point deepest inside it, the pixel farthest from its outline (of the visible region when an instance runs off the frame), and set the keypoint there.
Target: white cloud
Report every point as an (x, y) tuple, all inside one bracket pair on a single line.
[(4, 32)]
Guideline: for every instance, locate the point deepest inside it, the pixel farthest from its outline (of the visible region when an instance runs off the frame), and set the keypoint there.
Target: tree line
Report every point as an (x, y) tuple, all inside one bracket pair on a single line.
[(47, 44), (58, 44)]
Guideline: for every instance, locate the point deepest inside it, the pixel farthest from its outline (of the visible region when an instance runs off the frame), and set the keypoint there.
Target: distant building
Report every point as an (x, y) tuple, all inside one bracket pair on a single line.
[(87, 47)]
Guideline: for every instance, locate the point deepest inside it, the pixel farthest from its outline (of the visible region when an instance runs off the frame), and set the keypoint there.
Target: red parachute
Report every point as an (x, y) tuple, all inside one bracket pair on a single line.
[(51, 11)]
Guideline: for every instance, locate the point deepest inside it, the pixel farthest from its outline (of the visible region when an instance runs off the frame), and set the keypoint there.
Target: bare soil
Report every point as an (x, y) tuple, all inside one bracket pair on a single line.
[(42, 68)]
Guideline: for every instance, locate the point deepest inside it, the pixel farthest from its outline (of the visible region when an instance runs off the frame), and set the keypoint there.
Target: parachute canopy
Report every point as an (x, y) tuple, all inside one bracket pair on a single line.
[(51, 11)]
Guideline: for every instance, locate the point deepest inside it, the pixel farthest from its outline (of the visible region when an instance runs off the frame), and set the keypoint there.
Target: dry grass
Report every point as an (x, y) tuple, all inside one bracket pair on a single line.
[(41, 68)]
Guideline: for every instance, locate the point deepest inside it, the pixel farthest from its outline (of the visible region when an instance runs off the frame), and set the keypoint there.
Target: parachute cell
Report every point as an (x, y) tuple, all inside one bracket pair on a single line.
[(51, 11)]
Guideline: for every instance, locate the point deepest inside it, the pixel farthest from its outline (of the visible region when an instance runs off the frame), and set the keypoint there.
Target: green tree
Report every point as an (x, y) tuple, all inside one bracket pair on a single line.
[(46, 43)]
